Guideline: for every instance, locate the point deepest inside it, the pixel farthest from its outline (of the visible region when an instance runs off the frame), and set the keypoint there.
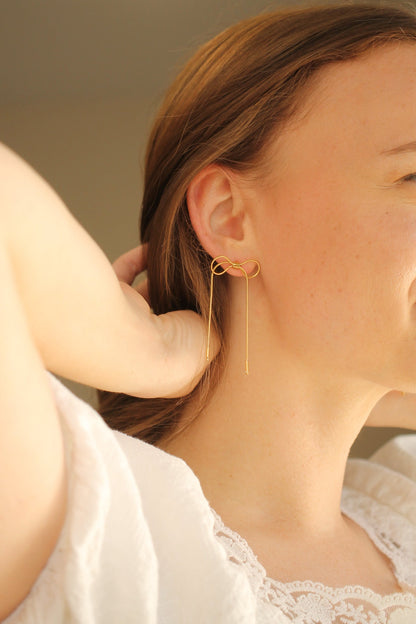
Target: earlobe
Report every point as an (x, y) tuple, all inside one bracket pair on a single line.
[(216, 210)]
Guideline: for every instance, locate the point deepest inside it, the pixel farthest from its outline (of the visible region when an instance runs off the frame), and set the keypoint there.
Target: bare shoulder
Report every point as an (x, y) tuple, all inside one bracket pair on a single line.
[(32, 470)]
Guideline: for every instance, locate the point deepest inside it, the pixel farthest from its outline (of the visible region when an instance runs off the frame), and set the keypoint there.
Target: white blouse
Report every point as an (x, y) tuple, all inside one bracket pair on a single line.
[(141, 544)]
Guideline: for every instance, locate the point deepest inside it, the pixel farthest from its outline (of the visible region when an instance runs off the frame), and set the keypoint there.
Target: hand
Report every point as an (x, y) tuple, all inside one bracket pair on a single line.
[(183, 331), (131, 264), (394, 410)]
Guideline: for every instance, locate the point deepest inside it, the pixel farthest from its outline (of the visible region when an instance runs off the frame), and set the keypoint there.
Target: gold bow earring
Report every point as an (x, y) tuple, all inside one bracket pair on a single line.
[(217, 269)]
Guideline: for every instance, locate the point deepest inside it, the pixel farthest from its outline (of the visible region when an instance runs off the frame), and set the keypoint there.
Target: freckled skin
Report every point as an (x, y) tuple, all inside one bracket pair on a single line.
[(332, 317), (337, 224)]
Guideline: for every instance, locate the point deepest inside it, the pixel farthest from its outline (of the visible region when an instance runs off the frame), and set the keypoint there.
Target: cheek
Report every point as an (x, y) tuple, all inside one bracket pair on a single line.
[(307, 258), (337, 278)]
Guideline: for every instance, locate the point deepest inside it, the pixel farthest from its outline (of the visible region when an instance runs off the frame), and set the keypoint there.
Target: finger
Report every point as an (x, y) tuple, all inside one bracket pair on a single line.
[(184, 334), (130, 264)]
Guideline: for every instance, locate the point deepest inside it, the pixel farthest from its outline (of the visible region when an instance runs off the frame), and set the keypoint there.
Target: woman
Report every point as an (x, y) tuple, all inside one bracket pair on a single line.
[(279, 212)]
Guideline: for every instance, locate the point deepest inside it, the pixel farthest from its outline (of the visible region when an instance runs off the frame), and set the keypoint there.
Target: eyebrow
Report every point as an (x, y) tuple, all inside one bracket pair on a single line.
[(408, 147)]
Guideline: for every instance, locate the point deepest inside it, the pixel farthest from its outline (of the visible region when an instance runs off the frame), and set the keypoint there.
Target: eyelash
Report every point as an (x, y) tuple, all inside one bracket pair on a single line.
[(408, 177)]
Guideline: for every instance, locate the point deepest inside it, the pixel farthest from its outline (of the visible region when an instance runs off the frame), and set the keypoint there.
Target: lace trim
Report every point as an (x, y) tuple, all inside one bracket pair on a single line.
[(393, 534), (309, 602)]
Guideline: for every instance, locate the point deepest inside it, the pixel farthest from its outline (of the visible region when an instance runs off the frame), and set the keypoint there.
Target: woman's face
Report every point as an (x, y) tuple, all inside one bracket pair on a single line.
[(335, 222)]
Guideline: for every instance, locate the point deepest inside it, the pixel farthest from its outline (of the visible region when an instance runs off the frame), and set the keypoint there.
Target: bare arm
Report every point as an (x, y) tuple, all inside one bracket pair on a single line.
[(84, 324), (62, 308)]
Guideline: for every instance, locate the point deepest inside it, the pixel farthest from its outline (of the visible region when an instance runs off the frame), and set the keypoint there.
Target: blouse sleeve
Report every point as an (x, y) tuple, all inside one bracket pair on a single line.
[(399, 454), (103, 568), (382, 490)]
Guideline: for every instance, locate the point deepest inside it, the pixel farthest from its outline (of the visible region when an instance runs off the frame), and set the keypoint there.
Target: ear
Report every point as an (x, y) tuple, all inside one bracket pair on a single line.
[(218, 214)]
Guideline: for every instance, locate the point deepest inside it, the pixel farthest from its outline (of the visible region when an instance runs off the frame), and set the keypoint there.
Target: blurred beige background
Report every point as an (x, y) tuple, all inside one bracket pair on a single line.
[(79, 84)]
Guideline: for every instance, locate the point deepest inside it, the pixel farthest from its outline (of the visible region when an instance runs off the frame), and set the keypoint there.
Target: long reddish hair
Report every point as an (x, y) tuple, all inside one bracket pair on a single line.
[(230, 100)]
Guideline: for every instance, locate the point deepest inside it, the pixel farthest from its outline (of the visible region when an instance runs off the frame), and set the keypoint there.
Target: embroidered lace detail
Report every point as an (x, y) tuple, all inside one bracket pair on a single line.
[(393, 534), (308, 602)]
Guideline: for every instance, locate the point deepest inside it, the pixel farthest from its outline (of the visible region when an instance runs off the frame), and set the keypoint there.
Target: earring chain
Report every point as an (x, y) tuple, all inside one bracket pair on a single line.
[(218, 269)]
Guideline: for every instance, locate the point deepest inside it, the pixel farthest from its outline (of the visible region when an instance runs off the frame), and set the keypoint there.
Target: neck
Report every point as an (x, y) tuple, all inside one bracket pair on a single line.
[(272, 447)]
